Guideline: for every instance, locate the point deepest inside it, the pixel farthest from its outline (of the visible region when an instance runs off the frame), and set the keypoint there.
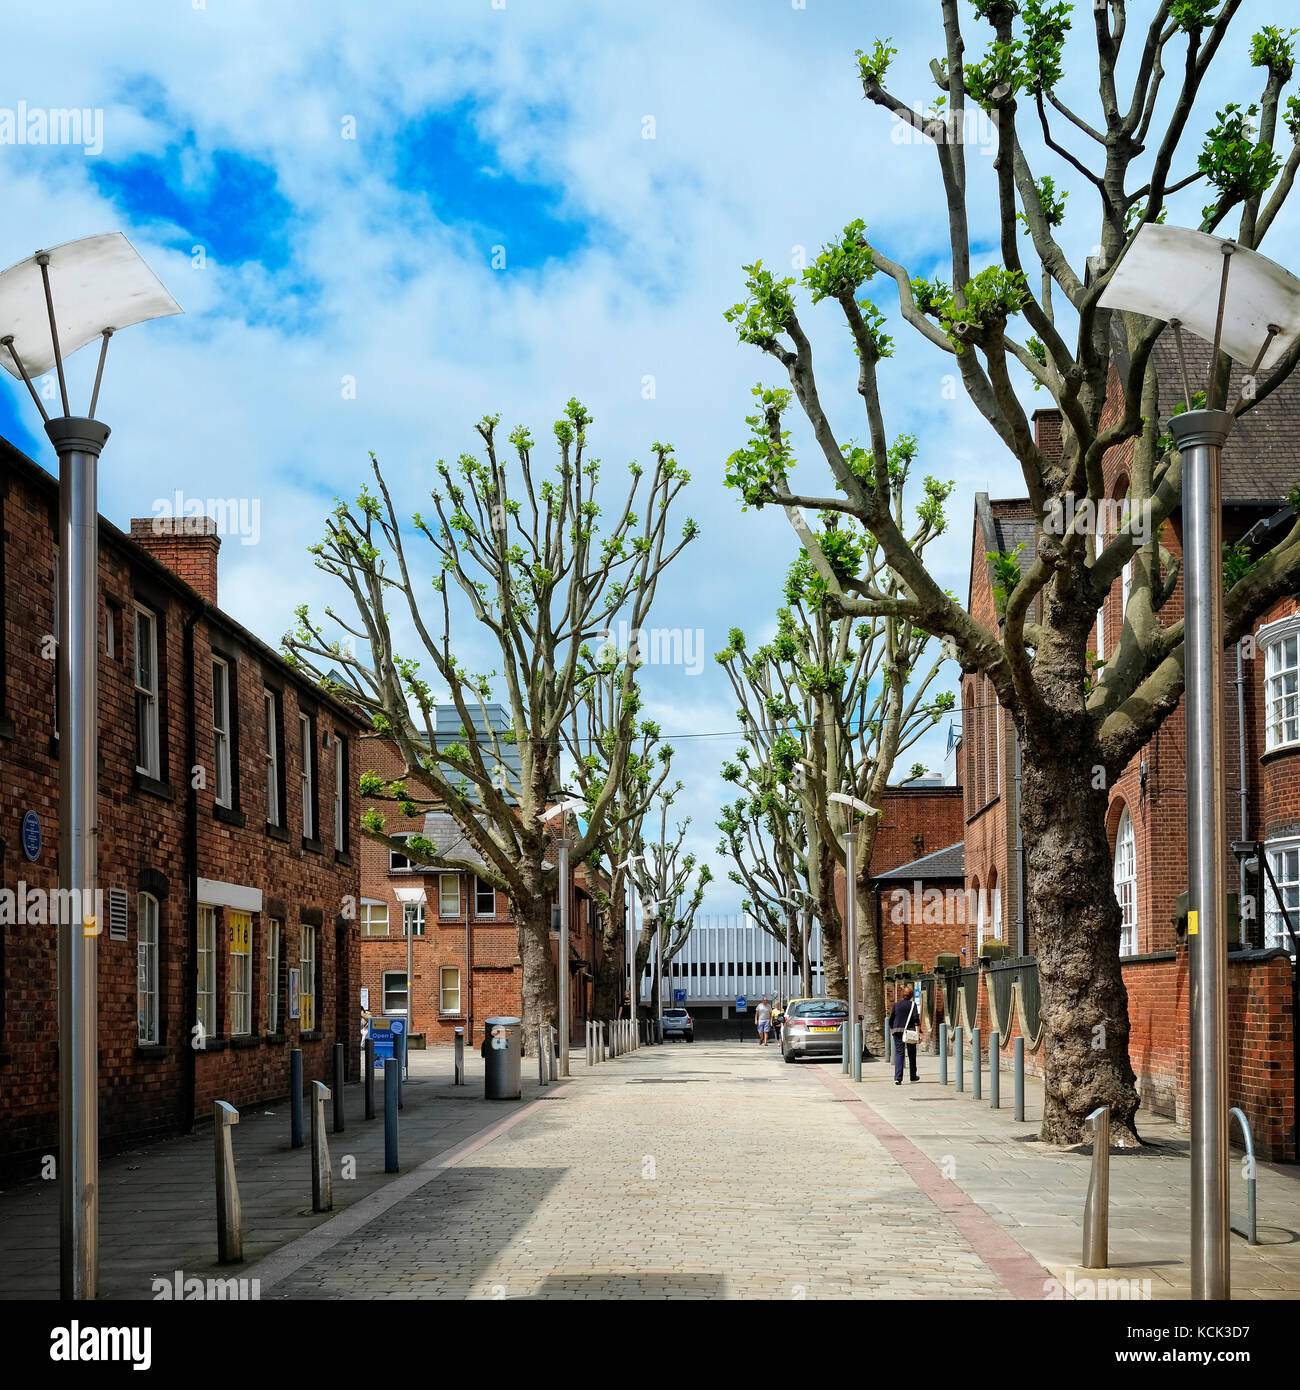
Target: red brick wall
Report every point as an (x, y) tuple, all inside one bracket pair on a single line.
[(145, 846)]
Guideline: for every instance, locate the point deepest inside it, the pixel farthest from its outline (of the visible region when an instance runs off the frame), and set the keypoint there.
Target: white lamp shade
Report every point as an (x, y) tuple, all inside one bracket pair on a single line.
[(414, 893), (96, 282), (1175, 273)]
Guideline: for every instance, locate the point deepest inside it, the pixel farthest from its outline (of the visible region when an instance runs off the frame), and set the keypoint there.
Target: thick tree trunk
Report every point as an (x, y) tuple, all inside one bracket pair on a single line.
[(607, 992), (833, 959), (869, 967), (1076, 921), (540, 989)]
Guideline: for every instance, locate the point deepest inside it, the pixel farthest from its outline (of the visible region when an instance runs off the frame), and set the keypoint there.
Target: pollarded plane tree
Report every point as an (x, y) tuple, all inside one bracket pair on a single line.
[(832, 702), (1076, 732), (591, 735), (520, 551), (670, 883)]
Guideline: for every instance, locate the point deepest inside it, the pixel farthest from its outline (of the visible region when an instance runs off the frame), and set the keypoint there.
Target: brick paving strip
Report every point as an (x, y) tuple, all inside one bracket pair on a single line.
[(1021, 1275)]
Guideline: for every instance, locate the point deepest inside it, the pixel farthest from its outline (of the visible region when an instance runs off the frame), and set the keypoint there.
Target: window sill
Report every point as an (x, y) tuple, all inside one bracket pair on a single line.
[(148, 1052), (214, 1045), (275, 1039), (1282, 750), (341, 856), (145, 783), (277, 832), (227, 815), (311, 846), (243, 1040), (313, 1035)]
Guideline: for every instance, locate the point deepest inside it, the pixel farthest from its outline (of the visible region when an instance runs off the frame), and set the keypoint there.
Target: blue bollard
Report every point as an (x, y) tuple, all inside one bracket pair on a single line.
[(976, 1069), (401, 1069), (857, 1051), (295, 1098), (844, 1046), (369, 1063), (392, 1083), (961, 1060), (943, 1054)]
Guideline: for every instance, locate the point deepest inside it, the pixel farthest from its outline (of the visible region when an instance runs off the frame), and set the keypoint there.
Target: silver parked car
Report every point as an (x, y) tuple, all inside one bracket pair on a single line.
[(678, 1023), (814, 1028)]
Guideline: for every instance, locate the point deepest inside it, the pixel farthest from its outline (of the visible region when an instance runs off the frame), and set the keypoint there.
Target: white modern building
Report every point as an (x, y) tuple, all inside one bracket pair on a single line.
[(726, 959)]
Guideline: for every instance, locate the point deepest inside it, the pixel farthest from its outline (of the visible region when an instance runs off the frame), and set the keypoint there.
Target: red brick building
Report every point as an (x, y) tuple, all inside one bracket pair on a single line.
[(226, 838), (464, 946)]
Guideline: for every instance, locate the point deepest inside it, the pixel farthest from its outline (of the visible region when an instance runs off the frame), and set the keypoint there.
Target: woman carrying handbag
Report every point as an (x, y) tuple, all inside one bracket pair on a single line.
[(904, 1024)]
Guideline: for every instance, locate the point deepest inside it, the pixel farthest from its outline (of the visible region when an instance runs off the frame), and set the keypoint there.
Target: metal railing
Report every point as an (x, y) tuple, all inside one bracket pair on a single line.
[(1245, 1227)]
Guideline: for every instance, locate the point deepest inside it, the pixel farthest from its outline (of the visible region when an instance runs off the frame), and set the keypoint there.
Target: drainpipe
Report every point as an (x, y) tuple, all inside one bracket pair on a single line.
[(1241, 792), (1022, 931), (189, 1063)]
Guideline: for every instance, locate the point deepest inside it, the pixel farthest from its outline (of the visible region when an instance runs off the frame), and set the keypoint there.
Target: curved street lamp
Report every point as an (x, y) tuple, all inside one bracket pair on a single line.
[(562, 809)]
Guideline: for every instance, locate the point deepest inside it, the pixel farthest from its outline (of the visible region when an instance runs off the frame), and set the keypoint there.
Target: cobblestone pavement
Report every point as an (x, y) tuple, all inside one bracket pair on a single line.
[(687, 1171)]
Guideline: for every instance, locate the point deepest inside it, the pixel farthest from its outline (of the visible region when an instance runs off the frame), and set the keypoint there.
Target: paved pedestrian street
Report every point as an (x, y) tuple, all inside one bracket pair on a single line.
[(705, 1170)]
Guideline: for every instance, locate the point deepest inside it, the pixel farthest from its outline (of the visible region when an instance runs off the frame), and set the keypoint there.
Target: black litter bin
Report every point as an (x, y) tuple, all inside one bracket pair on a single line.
[(504, 1051)]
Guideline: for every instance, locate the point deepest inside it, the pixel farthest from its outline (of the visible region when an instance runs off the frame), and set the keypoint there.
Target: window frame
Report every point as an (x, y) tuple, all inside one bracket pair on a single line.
[(1126, 845), (367, 911), (414, 912), (271, 727), (307, 964), (1280, 938), (239, 976), (1275, 727), (480, 888), (443, 1010), (274, 951), (384, 992), (340, 793), (453, 915), (147, 911), (152, 767), (205, 982), (222, 735), (307, 773)]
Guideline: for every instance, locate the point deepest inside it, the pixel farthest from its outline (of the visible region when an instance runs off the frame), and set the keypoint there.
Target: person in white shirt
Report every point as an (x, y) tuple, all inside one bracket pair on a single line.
[(763, 1019)]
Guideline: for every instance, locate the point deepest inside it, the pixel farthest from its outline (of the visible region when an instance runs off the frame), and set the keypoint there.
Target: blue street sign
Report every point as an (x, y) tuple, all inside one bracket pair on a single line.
[(740, 1002), (31, 836), (679, 995)]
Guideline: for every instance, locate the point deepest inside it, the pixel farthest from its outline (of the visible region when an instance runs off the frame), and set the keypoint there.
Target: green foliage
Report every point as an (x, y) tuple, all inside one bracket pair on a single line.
[(992, 297), (768, 308), (1006, 573), (930, 508), (755, 468), (842, 266), (1046, 26), (844, 552), (874, 65), (1052, 204), (1192, 15), (998, 76), (874, 320), (1235, 162), (1237, 563), (1274, 49), (1293, 498)]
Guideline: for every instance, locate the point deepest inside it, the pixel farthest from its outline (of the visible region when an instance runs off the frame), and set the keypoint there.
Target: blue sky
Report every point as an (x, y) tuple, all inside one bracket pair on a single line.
[(325, 188)]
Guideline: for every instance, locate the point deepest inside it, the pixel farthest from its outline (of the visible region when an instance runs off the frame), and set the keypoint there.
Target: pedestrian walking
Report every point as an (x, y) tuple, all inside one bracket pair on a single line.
[(763, 1021), (778, 1020), (904, 1024)]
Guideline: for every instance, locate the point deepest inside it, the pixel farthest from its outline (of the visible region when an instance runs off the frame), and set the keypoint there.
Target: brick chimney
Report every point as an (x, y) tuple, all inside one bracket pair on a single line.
[(1047, 433), (187, 545)]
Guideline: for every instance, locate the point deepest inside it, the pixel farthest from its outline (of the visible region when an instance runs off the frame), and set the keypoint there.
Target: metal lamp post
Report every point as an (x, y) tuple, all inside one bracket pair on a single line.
[(413, 896), (805, 969), (562, 809), (629, 947), (51, 305), (1181, 276)]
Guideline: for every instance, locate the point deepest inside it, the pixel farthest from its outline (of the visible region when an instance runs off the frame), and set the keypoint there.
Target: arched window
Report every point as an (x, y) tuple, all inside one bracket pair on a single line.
[(977, 898), (995, 906), (146, 969), (1126, 883)]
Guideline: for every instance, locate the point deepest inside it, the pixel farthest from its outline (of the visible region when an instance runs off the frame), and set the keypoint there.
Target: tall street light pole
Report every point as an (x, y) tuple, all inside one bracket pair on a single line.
[(1182, 277), (51, 305), (852, 804), (562, 810)]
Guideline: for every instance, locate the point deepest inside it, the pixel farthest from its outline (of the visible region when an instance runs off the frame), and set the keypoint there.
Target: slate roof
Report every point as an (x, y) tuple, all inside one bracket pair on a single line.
[(940, 863)]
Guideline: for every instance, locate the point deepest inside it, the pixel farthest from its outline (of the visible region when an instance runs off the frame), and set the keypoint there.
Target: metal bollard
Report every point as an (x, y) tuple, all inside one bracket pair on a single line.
[(977, 1069), (230, 1216), (857, 1051), (960, 1046), (604, 1041), (1020, 1078), (845, 1044), (995, 1059), (340, 1075), (889, 1043), (1096, 1207), (406, 1067), (553, 1060), (458, 1064), (943, 1054), (295, 1098), (369, 1063), (541, 1054), (391, 1081), (322, 1176)]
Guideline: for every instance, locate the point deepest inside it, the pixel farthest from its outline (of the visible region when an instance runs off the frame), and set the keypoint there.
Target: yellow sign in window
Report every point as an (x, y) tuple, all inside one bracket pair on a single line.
[(241, 933)]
